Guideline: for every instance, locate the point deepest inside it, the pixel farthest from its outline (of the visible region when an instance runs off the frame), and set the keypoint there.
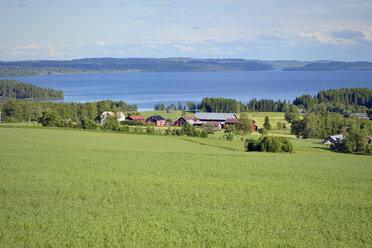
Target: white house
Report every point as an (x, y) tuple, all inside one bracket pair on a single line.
[(119, 116), (333, 139)]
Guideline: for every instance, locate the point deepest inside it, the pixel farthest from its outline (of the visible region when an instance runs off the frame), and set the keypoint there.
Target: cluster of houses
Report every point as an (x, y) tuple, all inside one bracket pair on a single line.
[(216, 120)]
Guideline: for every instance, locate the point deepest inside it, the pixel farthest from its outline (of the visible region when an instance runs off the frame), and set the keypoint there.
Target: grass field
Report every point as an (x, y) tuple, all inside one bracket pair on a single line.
[(93, 189)]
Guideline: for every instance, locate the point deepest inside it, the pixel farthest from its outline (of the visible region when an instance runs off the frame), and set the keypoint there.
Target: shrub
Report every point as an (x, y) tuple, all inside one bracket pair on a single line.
[(269, 144), (124, 129), (88, 124), (111, 124), (150, 130), (49, 118)]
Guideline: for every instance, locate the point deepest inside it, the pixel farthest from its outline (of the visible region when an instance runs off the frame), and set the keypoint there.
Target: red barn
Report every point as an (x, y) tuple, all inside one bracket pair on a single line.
[(180, 121), (137, 118), (157, 120)]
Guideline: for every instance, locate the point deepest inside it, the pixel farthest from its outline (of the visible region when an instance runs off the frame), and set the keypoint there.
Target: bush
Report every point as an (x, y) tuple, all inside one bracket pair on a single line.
[(269, 144), (150, 130), (49, 118), (88, 124), (263, 131), (124, 129), (111, 124), (11, 120)]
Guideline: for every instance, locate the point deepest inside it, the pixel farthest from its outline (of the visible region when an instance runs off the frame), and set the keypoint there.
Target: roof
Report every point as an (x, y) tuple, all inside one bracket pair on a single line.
[(156, 118), (187, 118), (215, 116), (136, 117), (107, 113), (338, 136), (333, 138), (231, 121)]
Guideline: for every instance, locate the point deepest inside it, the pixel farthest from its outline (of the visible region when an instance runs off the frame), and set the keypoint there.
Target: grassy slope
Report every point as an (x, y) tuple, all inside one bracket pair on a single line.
[(78, 188)]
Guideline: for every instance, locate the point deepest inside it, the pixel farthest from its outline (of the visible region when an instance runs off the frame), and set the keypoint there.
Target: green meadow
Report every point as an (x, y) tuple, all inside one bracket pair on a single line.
[(77, 188)]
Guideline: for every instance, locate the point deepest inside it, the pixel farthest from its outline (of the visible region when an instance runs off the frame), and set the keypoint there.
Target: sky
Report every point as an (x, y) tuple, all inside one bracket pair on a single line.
[(305, 30)]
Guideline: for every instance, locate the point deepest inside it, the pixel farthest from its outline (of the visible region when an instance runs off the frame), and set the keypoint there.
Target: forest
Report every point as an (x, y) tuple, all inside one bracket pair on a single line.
[(19, 90), (343, 101)]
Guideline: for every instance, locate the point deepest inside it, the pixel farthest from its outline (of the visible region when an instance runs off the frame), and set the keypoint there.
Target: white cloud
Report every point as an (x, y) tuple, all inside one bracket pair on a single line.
[(52, 51), (241, 48), (367, 34), (31, 46), (100, 43), (326, 39), (152, 46), (184, 48)]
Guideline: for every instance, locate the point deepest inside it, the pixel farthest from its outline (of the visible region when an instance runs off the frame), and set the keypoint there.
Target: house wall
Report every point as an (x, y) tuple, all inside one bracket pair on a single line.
[(160, 123)]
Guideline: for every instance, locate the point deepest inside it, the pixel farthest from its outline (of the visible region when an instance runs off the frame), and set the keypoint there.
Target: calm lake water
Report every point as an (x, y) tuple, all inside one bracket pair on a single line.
[(147, 89)]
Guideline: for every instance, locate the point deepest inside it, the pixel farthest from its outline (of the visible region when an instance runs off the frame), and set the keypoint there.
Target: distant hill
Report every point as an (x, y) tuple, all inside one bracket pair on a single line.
[(19, 90), (94, 65), (332, 66)]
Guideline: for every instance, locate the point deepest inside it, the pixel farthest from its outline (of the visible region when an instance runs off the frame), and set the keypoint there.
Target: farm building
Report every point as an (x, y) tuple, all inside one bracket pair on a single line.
[(137, 118), (183, 119), (333, 139), (119, 116), (157, 120), (215, 117), (216, 125), (370, 139)]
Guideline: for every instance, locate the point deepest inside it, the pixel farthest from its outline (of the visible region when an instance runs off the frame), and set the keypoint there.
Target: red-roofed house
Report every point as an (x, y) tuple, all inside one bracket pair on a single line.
[(137, 118)]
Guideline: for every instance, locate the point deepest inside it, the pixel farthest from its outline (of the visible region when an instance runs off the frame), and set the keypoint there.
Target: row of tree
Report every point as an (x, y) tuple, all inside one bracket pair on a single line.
[(17, 110), (344, 101), (19, 90)]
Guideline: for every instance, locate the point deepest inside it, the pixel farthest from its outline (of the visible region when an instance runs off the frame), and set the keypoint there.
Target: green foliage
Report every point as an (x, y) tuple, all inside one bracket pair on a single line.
[(31, 111), (244, 125), (355, 140), (150, 130), (343, 101), (111, 124), (263, 131), (19, 90), (267, 124), (88, 124), (209, 128), (292, 114), (269, 144), (229, 132), (319, 125), (279, 125), (49, 118)]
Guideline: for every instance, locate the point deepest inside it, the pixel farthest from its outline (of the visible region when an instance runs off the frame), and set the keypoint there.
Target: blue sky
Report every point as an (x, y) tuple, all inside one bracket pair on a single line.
[(249, 29)]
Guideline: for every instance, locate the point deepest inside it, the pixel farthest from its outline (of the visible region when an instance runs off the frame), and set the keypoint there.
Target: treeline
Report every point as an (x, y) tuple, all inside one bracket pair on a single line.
[(227, 105), (16, 110), (344, 101), (19, 90)]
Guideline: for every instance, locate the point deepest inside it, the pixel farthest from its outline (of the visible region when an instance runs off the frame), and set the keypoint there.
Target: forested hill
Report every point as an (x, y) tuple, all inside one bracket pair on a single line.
[(19, 90), (332, 66), (92, 65), (25, 68)]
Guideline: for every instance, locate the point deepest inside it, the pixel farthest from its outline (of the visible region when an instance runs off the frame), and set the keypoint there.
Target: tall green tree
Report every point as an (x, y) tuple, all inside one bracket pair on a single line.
[(267, 124)]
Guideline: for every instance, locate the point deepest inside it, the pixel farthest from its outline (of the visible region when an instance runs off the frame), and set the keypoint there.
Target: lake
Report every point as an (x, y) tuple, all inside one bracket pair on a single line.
[(147, 89)]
